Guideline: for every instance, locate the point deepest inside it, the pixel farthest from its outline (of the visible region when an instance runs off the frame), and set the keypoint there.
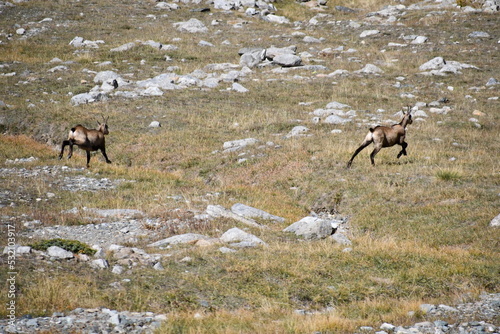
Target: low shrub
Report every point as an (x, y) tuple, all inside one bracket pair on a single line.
[(73, 246)]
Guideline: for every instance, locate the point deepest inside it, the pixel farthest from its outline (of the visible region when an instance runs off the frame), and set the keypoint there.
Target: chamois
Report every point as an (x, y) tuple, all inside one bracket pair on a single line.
[(385, 136), (87, 139)]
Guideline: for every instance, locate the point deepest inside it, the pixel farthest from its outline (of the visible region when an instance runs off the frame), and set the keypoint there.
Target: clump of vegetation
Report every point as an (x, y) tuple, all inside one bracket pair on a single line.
[(448, 175), (73, 246)]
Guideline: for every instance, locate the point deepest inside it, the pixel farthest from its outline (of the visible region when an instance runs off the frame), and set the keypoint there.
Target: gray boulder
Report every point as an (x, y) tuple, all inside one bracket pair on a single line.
[(274, 51), (310, 39), (179, 239), (17, 249), (151, 91), (238, 88), (80, 42), (216, 211), (341, 238), (297, 131), (235, 145), (336, 105), (107, 76), (311, 228), (86, 98), (276, 19), (59, 253), (99, 264), (154, 124), (227, 4), (419, 40), (123, 47), (369, 69), (334, 119), (192, 26), (492, 82), (164, 81), (253, 213), (433, 64), (495, 222), (287, 60), (237, 237), (479, 34), (367, 33), (253, 58), (438, 66)]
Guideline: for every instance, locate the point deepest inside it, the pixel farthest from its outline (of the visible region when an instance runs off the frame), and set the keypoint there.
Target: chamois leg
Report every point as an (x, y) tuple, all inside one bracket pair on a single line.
[(64, 144), (403, 150), (70, 154), (374, 153), (103, 151), (88, 158), (365, 144)]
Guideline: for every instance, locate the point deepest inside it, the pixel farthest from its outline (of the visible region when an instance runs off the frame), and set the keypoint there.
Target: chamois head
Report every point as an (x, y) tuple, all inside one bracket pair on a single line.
[(103, 127), (407, 119)]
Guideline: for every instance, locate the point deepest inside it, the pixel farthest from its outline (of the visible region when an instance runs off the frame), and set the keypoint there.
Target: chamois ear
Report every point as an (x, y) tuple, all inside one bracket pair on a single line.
[(409, 110)]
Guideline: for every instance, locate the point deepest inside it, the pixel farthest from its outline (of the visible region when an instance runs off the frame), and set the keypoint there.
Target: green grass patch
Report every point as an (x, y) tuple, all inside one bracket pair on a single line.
[(73, 246)]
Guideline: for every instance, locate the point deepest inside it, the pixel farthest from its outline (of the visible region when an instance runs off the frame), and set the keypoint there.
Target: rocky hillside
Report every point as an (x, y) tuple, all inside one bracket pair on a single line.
[(227, 207)]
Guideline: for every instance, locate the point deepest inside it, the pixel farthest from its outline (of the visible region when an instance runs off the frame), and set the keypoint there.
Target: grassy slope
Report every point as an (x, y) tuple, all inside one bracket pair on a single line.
[(419, 225)]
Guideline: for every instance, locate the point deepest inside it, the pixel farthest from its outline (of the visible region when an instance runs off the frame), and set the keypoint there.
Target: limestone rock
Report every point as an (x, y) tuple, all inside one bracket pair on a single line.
[(59, 253), (311, 228)]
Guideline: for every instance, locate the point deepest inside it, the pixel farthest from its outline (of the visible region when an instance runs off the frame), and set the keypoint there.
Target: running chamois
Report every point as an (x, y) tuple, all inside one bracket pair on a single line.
[(87, 139), (386, 136)]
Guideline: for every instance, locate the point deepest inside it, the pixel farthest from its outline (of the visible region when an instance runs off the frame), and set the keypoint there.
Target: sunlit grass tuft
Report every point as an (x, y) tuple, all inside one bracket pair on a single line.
[(449, 175)]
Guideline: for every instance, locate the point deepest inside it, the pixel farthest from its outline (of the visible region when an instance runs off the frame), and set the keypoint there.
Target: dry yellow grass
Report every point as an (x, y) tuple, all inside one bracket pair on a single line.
[(419, 225)]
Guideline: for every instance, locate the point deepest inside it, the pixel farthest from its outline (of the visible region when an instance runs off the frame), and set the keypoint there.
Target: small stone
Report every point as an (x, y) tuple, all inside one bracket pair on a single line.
[(427, 308), (154, 124), (367, 33), (495, 222), (387, 327), (99, 264), (158, 266), (117, 269)]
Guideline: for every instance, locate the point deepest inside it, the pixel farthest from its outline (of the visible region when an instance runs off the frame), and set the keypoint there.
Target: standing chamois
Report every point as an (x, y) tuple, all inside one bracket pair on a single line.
[(386, 136), (88, 140)]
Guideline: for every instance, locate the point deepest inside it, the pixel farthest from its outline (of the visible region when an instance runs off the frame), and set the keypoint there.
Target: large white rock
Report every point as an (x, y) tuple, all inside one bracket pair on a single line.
[(367, 33), (370, 69), (235, 235), (216, 211), (433, 64), (235, 145), (59, 253), (287, 60), (276, 19), (311, 228), (495, 221), (179, 239), (192, 26), (334, 119), (250, 212)]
